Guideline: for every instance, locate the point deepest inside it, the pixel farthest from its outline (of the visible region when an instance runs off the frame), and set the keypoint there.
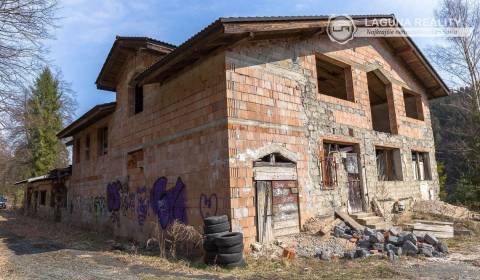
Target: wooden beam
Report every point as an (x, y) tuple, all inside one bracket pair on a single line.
[(403, 50), (349, 220)]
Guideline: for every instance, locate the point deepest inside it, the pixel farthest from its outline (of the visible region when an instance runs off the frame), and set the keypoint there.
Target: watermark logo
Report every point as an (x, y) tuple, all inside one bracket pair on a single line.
[(341, 29)]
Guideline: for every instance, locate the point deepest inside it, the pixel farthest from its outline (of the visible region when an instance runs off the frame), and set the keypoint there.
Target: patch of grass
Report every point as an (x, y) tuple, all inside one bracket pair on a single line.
[(462, 242)]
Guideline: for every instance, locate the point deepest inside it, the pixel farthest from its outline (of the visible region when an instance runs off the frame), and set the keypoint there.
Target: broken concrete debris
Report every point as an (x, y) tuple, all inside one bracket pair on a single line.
[(256, 247), (389, 242)]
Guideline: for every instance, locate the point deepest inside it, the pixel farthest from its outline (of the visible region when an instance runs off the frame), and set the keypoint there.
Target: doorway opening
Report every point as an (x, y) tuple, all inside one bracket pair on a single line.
[(346, 156), (277, 210)]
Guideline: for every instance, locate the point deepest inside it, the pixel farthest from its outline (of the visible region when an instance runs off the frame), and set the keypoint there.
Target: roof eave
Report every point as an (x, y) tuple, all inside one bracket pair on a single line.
[(93, 115), (227, 27), (147, 43)]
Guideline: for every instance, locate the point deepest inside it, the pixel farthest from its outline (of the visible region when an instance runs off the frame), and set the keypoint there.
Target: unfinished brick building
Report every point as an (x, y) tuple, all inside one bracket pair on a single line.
[(263, 119)]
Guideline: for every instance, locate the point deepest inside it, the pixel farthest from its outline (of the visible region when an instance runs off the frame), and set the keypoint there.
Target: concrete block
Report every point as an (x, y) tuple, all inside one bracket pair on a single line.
[(430, 239), (442, 247), (410, 237), (377, 237), (409, 248), (393, 240)]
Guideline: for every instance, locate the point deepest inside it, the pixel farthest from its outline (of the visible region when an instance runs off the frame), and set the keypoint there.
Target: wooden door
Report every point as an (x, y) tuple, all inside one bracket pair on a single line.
[(285, 208), (354, 184), (264, 211)]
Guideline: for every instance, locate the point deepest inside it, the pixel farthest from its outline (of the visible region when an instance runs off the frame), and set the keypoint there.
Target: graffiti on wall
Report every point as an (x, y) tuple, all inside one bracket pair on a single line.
[(208, 205), (142, 205), (168, 205), (114, 200), (98, 206)]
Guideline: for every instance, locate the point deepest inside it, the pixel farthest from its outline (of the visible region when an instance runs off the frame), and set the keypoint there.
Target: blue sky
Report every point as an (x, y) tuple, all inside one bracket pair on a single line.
[(87, 28)]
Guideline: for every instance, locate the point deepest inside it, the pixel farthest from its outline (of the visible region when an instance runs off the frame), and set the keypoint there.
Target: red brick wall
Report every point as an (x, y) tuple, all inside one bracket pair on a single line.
[(273, 100), (181, 134)]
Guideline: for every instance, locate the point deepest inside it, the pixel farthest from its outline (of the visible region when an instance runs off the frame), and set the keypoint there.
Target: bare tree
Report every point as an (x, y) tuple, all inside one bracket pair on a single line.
[(24, 25), (459, 57)]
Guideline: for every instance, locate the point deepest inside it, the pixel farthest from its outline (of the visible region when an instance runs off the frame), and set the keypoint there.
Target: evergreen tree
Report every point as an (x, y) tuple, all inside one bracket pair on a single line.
[(44, 121)]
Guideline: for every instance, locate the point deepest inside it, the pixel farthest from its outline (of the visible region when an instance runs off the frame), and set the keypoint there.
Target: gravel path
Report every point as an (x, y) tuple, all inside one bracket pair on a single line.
[(36, 249), (32, 257)]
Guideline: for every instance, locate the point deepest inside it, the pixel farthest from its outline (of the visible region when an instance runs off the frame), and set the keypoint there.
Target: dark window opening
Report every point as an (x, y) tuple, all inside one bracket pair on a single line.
[(135, 159), (334, 80), (78, 150), (377, 92), (87, 147), (388, 164), (102, 141), (138, 99), (421, 166), (274, 159), (52, 198), (43, 197), (413, 105)]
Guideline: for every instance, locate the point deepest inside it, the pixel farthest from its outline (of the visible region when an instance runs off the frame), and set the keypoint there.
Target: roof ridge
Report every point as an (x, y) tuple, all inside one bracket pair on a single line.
[(120, 37)]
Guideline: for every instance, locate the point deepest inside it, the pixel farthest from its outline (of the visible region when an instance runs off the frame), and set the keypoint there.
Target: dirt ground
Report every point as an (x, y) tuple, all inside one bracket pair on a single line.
[(34, 249)]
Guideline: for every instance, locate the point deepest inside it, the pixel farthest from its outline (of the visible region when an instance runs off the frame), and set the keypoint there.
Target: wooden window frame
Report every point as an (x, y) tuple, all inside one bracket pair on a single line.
[(102, 136), (78, 149), (87, 146), (43, 198), (392, 171), (424, 157)]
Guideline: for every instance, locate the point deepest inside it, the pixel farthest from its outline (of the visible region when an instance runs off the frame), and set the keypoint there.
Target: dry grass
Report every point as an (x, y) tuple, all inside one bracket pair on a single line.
[(262, 268)]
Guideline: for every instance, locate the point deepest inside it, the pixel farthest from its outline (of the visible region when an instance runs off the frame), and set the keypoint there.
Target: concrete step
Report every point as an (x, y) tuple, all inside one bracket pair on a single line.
[(362, 214), (370, 220), (383, 225)]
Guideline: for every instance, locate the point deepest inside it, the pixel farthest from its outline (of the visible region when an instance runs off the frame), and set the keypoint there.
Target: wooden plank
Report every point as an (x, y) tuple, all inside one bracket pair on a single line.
[(347, 219), (286, 208), (434, 233), (286, 231), (285, 224), (429, 227), (285, 217), (433, 228), (267, 173), (264, 211), (284, 184), (433, 222)]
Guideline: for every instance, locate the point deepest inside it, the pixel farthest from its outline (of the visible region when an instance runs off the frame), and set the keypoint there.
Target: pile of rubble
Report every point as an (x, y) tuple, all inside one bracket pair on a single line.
[(444, 209), (390, 242)]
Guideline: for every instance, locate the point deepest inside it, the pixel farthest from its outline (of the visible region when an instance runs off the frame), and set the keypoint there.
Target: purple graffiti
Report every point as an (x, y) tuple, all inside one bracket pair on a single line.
[(168, 205), (142, 208), (113, 196), (208, 205)]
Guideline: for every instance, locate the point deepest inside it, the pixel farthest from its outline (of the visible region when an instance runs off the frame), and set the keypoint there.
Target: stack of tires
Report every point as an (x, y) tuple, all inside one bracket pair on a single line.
[(221, 246)]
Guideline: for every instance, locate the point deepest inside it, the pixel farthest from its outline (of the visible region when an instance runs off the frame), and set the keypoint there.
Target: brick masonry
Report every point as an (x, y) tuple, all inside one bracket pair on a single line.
[(201, 130), (273, 100)]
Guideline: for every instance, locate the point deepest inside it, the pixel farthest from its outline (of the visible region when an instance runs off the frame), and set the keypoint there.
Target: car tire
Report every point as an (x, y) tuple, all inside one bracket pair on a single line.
[(232, 249), (240, 263), (209, 246), (229, 258), (213, 220), (212, 236), (217, 228), (229, 239)]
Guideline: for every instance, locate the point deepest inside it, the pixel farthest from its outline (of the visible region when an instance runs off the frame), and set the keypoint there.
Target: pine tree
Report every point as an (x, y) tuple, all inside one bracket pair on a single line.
[(44, 121)]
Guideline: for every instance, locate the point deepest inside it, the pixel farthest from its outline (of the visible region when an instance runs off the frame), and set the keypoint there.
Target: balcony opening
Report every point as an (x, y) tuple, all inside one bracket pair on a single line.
[(334, 78), (413, 105), (377, 92)]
